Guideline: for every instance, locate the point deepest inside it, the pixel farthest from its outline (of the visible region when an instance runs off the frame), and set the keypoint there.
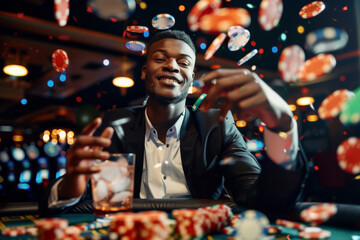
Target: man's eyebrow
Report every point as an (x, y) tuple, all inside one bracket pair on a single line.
[(164, 51)]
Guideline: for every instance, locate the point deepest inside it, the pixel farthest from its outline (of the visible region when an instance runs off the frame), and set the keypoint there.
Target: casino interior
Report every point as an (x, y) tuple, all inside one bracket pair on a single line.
[(73, 57)]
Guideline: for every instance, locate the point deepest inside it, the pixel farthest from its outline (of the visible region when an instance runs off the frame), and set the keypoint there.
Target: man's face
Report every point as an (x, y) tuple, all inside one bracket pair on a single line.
[(169, 70)]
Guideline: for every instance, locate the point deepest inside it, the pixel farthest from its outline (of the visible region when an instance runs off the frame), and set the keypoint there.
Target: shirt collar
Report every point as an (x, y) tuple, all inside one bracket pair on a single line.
[(151, 131)]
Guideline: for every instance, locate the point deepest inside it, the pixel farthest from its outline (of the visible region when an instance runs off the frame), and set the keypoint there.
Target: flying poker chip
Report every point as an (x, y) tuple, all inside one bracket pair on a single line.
[(135, 45), (60, 60), (61, 10), (238, 38), (200, 9), (319, 213), (317, 66), (223, 18), (350, 113), (270, 12), (314, 233), (247, 57), (291, 60), (252, 225), (137, 29), (163, 21), (112, 9), (198, 102), (326, 40), (348, 153), (214, 46), (312, 9), (332, 104)]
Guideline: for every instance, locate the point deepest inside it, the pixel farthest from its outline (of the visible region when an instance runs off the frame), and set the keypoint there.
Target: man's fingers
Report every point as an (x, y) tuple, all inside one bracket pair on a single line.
[(85, 170), (91, 127), (81, 154), (83, 141), (107, 134), (219, 73)]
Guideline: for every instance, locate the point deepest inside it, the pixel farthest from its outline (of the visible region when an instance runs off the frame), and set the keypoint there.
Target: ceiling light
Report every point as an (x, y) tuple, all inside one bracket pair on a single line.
[(15, 70), (123, 82), (304, 101), (14, 65)]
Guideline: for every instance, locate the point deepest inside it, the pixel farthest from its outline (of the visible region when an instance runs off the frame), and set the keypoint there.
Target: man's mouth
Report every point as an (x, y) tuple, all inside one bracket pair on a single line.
[(168, 80)]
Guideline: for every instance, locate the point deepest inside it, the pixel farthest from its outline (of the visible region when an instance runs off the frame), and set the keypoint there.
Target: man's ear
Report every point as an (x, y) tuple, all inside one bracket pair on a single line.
[(143, 72), (193, 76)]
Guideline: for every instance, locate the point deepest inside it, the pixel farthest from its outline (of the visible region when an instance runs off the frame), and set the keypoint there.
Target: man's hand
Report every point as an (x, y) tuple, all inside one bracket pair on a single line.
[(249, 94), (80, 157)]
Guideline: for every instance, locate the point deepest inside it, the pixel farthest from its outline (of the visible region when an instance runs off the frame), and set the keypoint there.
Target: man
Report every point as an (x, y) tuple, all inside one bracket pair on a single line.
[(190, 146)]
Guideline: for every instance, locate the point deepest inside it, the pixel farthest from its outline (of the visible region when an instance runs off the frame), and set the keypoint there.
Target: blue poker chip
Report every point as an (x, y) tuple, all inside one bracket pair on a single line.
[(135, 45), (112, 9), (247, 57), (163, 21), (252, 225), (326, 40), (238, 39)]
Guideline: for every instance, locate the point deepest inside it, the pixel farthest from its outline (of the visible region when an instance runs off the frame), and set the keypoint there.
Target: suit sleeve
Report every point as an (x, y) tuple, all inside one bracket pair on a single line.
[(267, 186)]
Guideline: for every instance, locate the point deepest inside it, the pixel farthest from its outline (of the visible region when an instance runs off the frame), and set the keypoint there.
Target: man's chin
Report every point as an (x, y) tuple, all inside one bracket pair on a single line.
[(167, 99)]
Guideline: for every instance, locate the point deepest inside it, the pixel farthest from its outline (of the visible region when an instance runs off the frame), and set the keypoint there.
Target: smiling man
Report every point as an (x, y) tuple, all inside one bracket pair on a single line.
[(182, 153)]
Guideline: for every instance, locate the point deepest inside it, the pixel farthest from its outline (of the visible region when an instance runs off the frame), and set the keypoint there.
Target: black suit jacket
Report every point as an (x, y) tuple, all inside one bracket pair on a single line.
[(204, 142)]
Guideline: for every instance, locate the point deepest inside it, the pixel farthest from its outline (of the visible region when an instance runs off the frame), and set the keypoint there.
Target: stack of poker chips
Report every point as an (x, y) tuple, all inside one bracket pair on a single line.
[(144, 225), (52, 228)]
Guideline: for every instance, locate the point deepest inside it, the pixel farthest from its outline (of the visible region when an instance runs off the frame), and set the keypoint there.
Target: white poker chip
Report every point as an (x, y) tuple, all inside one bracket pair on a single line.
[(238, 39), (252, 225), (326, 40), (163, 21), (247, 57), (135, 45)]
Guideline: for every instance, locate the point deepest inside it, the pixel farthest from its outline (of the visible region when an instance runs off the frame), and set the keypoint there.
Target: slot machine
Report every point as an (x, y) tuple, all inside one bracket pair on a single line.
[(61, 165), (43, 170)]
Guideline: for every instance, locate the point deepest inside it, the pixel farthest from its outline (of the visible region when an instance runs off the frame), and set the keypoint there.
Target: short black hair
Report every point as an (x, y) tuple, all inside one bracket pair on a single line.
[(176, 34)]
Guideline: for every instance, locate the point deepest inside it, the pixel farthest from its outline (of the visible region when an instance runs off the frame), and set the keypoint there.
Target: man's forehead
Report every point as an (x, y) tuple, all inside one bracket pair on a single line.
[(170, 44)]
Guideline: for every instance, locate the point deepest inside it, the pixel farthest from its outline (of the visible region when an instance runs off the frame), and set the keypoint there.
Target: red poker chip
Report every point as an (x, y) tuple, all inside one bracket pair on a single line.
[(312, 9), (200, 9), (314, 233), (291, 60), (290, 224), (331, 106), (348, 153), (137, 29), (270, 12), (61, 10), (318, 214), (316, 67), (60, 60), (214, 46), (13, 232)]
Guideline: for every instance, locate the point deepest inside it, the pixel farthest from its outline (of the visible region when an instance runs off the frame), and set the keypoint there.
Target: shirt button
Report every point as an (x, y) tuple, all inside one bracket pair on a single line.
[(167, 145), (164, 177)]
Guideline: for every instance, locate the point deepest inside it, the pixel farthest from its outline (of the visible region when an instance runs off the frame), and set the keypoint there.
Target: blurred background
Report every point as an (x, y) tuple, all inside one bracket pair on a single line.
[(41, 112)]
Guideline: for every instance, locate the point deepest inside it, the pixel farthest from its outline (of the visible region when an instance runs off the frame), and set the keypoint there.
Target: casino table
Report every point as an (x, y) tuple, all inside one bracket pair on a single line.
[(344, 225)]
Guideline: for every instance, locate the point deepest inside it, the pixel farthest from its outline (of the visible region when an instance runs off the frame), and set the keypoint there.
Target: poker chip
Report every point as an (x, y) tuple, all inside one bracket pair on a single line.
[(314, 233), (163, 21), (247, 57), (214, 46), (270, 12), (238, 38), (291, 60), (223, 18), (51, 228), (326, 40), (60, 60), (319, 213), (135, 45), (331, 106), (272, 230), (350, 113), (61, 10), (316, 67), (200, 9), (348, 153), (312, 9), (112, 9), (13, 232), (137, 29), (252, 225), (290, 224), (198, 102)]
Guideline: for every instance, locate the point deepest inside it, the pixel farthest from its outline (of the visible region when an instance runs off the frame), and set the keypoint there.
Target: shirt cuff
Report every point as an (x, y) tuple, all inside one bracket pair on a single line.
[(282, 147), (54, 202)]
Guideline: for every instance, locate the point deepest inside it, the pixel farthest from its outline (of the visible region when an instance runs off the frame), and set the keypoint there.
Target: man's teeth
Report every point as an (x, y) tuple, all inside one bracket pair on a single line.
[(169, 80)]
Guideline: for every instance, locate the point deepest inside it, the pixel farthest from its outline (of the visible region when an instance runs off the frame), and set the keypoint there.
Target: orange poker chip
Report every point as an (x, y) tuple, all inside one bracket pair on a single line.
[(270, 12), (137, 29), (61, 10), (317, 66), (60, 60), (222, 19), (291, 60), (332, 104), (314, 233), (214, 46), (312, 9), (318, 214), (348, 153), (200, 9)]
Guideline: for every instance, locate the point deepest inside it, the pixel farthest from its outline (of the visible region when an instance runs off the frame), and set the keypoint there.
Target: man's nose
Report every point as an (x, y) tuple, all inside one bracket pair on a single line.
[(171, 65)]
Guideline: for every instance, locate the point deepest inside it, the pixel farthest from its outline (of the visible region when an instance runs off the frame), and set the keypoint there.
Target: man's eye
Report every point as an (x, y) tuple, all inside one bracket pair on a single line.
[(184, 63), (159, 59)]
